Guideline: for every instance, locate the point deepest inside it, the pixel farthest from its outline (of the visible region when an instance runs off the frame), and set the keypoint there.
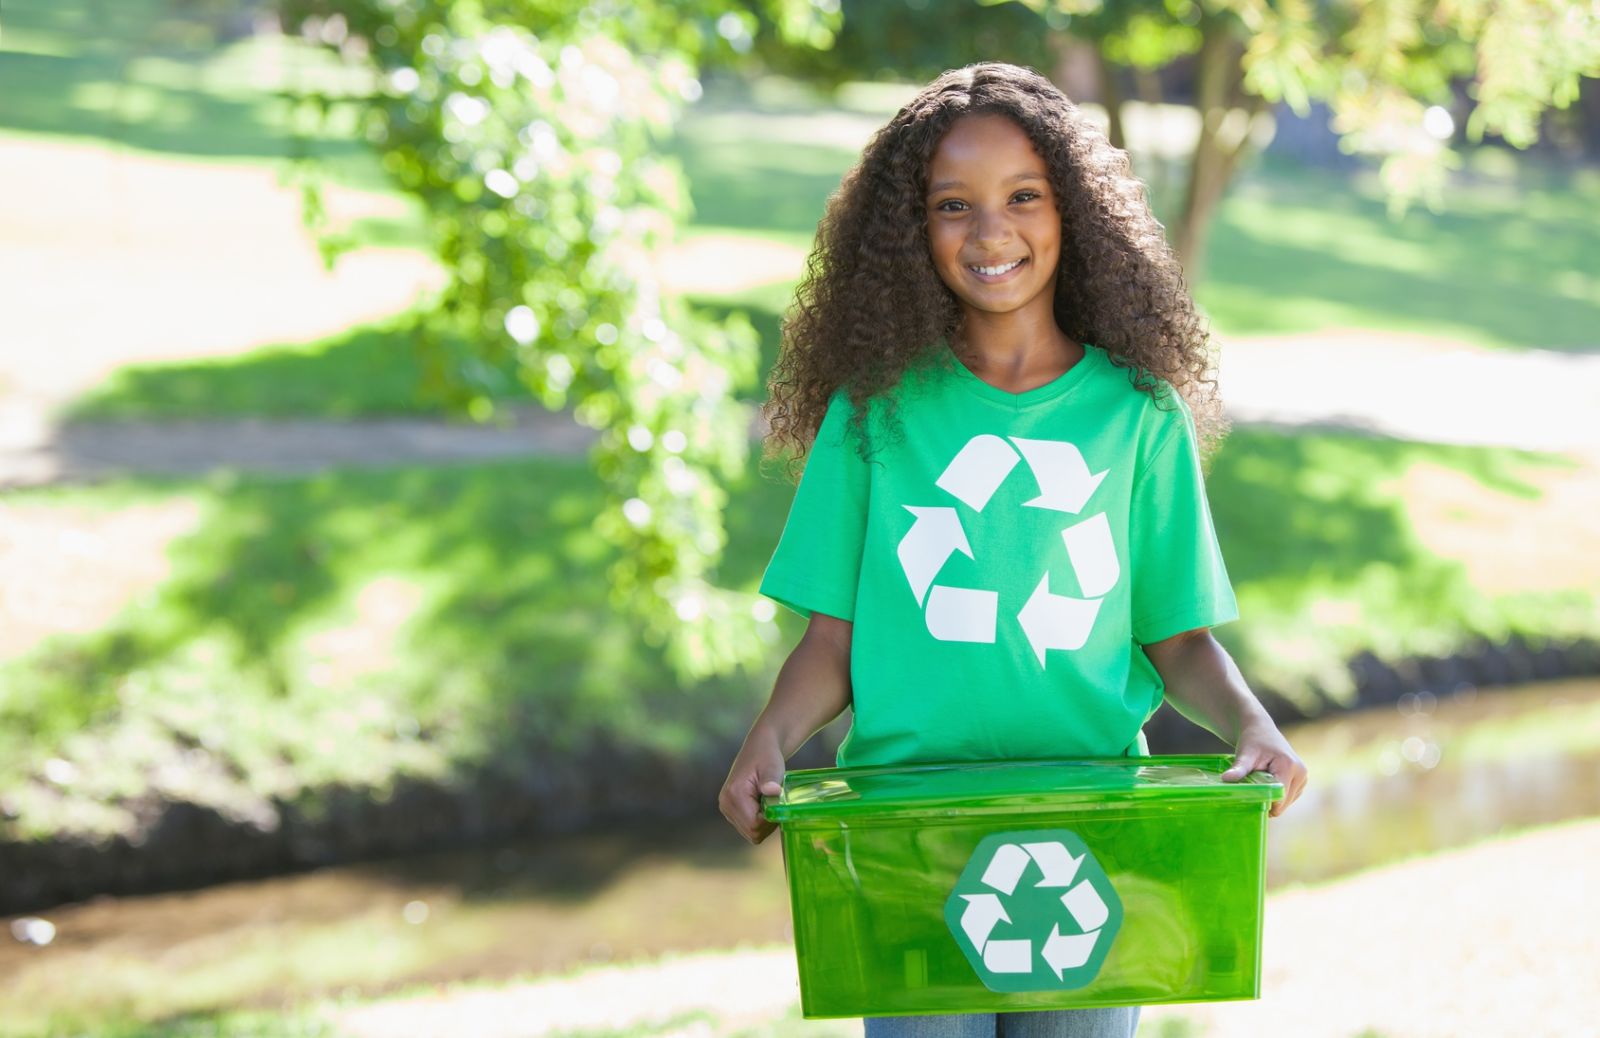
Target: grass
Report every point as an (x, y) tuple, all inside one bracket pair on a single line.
[(293, 1023), (1292, 250), (371, 370), (1510, 265), (1326, 561), (183, 80), (357, 642)]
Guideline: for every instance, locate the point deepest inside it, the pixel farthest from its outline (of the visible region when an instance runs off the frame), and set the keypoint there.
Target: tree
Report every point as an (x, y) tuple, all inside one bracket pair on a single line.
[(1383, 66), (530, 130)]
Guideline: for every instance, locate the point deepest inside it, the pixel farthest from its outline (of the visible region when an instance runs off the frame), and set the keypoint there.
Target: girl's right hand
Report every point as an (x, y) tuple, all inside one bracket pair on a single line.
[(757, 770)]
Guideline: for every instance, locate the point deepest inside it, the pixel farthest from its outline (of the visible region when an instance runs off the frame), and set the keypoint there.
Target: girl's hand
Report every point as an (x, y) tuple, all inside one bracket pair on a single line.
[(757, 770), (1263, 748)]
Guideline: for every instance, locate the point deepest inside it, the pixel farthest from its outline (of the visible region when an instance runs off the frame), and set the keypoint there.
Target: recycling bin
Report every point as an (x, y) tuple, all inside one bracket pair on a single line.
[(1024, 885)]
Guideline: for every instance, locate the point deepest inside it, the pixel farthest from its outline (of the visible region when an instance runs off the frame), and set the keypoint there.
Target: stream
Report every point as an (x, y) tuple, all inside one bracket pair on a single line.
[(1386, 784)]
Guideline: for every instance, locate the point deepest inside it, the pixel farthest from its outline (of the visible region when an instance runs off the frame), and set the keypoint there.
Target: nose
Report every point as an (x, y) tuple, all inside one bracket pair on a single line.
[(990, 229)]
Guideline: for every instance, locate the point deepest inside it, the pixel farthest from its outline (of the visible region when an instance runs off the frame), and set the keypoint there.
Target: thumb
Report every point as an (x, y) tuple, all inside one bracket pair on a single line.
[(1242, 766), (768, 784)]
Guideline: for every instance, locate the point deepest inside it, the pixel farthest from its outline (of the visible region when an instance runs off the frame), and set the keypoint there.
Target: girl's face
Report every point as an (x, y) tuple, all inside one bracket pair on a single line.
[(993, 228)]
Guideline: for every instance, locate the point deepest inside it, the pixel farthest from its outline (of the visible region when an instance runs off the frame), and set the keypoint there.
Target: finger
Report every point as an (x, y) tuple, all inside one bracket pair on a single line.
[(1300, 778), (756, 827), (1243, 764), (769, 783), (1292, 775), (735, 806)]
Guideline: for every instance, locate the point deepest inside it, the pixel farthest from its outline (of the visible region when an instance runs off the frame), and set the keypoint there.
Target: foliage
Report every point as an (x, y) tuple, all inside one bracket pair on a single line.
[(1380, 64), (531, 132), (368, 626), (916, 40)]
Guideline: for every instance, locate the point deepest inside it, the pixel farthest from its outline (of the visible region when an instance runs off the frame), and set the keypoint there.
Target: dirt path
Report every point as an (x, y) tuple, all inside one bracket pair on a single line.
[(1491, 940), (82, 452)]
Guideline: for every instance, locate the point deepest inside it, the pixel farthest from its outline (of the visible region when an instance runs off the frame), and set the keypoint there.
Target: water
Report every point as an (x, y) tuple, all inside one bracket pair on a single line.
[(1386, 784), (1434, 773)]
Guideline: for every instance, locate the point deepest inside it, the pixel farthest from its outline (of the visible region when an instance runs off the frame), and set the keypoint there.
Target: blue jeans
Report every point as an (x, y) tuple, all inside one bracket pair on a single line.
[(1114, 1022)]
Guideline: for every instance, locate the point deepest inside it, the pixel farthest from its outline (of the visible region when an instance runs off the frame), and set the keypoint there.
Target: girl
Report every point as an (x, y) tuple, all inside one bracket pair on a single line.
[(1001, 537)]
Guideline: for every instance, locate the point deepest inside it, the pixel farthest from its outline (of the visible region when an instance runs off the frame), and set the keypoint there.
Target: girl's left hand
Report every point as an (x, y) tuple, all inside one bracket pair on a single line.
[(1263, 748)]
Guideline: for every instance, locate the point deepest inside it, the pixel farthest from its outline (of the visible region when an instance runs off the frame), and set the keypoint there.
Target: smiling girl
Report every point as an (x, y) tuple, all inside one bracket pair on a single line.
[(1001, 538)]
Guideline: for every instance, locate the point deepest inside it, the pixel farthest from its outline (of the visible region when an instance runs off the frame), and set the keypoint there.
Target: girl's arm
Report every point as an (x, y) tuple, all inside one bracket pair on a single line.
[(1205, 686), (813, 688)]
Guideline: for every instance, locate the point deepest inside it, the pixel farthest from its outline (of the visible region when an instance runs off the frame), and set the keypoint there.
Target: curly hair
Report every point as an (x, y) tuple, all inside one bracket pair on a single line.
[(870, 304)]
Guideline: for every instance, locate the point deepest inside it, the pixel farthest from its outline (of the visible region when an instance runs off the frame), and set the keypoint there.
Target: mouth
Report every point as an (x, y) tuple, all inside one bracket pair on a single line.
[(997, 272)]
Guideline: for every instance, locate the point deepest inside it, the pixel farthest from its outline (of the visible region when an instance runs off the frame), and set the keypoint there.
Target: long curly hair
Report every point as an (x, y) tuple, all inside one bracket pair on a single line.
[(871, 305)]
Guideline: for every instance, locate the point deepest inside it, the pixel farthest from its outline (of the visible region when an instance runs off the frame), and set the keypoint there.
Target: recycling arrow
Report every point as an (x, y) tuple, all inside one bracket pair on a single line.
[(935, 535), (1056, 621), (977, 470), (1048, 621), (982, 912), (1086, 906), (1066, 952), (1065, 483), (1034, 911), (1055, 862), (1093, 555)]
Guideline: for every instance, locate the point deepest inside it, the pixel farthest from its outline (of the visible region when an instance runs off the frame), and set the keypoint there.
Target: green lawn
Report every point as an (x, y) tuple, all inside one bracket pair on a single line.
[(479, 590), (1510, 266), (355, 626), (1292, 250), (179, 79)]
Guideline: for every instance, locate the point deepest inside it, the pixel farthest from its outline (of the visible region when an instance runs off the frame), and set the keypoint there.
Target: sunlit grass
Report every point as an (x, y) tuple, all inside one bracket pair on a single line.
[(505, 649), (1298, 249), (1293, 250), (153, 78), (1327, 562), (305, 958), (357, 642)]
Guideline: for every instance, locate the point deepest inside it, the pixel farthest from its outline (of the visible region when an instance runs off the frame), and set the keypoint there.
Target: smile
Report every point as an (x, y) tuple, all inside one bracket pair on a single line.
[(997, 272)]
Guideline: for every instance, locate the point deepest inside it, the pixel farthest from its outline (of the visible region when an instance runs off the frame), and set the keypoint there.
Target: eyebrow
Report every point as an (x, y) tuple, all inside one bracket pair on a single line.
[(943, 184)]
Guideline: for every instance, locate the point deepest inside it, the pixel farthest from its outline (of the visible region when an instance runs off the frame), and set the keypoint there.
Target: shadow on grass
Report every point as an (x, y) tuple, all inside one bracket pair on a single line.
[(778, 186), (372, 370), (1295, 248), (503, 651), (1305, 517), (509, 649), (163, 77)]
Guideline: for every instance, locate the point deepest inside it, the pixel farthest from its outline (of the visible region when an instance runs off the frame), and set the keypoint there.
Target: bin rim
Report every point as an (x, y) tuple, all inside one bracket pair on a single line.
[(842, 800)]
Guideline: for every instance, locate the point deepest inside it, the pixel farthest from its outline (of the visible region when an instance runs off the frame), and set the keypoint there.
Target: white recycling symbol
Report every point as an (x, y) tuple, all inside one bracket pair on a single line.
[(1061, 952), (1049, 621)]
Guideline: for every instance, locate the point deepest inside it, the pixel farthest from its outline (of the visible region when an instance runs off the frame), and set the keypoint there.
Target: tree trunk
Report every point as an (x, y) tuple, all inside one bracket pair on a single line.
[(1158, 169), (1226, 116), (1111, 97)]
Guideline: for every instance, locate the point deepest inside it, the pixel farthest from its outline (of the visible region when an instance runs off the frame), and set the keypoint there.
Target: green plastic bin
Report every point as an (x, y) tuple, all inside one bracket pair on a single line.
[(1024, 885)]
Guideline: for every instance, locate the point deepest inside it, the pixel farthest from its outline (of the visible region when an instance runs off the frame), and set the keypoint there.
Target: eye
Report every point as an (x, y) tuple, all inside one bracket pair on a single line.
[(1026, 196), (949, 201)]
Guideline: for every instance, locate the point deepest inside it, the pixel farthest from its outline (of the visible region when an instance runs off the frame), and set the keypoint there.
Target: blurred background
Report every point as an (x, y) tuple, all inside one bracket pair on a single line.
[(382, 502)]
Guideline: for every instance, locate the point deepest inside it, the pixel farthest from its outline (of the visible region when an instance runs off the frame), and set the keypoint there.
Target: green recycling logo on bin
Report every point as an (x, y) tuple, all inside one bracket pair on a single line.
[(1034, 911)]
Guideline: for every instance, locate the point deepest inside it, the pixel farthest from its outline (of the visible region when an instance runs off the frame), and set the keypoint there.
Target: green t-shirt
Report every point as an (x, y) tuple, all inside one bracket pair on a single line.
[(1003, 560)]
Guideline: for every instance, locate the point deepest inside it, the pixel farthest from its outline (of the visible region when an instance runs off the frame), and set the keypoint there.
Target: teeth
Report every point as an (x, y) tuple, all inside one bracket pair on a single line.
[(992, 271)]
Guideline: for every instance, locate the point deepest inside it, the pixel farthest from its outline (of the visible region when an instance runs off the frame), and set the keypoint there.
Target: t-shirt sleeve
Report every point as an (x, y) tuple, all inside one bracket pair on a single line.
[(817, 564), (1180, 582)]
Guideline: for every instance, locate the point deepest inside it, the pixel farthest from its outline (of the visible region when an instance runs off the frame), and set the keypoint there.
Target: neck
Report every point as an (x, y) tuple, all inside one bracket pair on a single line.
[(1014, 343)]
